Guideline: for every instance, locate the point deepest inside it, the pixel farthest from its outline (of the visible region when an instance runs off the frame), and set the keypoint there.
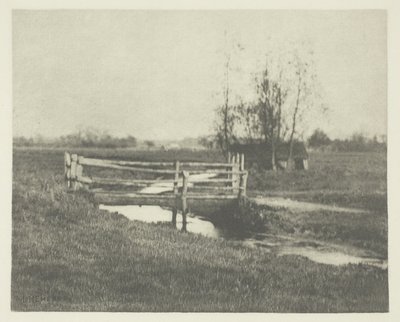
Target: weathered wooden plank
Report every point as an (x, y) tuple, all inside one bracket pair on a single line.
[(74, 160), (129, 192), (124, 182), (210, 196), (170, 196), (134, 195), (206, 164), (135, 163), (160, 164), (210, 180), (79, 174), (74, 164), (229, 176), (67, 169), (174, 213), (242, 186), (176, 179), (184, 199), (101, 164), (211, 188), (214, 171), (132, 199), (133, 182), (67, 159), (237, 173)]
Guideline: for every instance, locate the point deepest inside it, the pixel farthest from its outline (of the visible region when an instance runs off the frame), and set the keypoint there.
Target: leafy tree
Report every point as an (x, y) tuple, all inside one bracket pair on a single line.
[(319, 138), (271, 97), (285, 92)]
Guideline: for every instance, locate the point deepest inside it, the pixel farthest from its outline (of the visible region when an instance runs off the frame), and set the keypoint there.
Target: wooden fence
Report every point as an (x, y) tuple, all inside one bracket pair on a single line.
[(188, 180)]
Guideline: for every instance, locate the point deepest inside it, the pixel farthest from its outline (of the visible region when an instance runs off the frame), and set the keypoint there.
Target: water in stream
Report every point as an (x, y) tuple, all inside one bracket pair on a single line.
[(282, 245)]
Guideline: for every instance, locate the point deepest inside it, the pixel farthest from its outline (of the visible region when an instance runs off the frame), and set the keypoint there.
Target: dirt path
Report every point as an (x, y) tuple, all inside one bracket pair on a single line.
[(285, 203)]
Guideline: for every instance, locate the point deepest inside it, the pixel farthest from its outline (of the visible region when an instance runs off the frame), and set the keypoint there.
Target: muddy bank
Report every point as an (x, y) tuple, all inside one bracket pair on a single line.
[(366, 230)]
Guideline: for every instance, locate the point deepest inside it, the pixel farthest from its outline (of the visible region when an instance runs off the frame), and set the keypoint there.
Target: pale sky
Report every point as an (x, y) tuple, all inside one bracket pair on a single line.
[(158, 74)]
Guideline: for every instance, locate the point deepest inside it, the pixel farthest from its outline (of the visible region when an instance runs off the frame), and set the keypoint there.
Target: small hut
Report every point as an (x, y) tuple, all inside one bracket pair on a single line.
[(260, 153)]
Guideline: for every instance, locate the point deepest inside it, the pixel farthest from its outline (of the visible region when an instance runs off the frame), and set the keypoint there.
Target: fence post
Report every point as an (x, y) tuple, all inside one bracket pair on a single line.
[(243, 184), (67, 169), (74, 163), (79, 173), (236, 176), (243, 178), (229, 168), (176, 181), (233, 168), (184, 199)]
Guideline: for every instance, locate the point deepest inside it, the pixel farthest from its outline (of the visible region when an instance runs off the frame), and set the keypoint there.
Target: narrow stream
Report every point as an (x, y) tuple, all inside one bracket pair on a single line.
[(282, 245)]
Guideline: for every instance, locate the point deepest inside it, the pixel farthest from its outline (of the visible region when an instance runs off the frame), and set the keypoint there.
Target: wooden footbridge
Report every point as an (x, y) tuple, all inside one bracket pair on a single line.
[(170, 184)]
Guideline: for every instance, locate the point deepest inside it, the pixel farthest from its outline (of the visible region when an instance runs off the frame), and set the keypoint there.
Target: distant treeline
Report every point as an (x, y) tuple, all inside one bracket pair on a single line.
[(86, 139), (319, 140)]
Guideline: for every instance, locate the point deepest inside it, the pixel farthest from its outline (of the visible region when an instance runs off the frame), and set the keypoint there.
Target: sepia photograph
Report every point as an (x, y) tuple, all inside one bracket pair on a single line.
[(199, 161)]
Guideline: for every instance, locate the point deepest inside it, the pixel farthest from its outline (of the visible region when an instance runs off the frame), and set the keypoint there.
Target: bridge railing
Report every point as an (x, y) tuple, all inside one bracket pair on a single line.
[(191, 180), (203, 179)]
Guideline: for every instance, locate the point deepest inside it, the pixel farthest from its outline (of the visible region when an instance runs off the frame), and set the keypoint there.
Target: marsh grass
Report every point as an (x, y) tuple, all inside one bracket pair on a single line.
[(367, 231), (344, 179), (67, 255)]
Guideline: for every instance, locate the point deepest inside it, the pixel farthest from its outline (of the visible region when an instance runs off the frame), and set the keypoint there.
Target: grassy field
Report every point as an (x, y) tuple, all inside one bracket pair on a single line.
[(344, 179), (365, 230), (68, 255)]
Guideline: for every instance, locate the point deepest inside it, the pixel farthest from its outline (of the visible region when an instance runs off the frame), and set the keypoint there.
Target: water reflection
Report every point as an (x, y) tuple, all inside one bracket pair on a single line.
[(154, 214), (332, 257), (280, 245)]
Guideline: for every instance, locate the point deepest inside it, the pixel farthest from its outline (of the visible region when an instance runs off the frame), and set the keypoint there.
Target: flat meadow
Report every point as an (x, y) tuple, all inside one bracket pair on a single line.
[(67, 255)]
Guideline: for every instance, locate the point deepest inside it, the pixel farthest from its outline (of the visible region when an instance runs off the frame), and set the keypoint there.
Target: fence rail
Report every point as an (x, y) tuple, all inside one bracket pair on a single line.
[(92, 161)]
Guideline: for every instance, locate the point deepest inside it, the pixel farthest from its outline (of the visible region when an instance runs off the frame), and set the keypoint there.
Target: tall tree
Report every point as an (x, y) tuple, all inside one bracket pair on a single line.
[(285, 90), (268, 91), (318, 138), (225, 128), (305, 94), (226, 117)]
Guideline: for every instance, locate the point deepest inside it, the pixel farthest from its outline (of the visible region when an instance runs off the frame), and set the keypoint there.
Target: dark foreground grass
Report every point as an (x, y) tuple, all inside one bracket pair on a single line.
[(68, 255)]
